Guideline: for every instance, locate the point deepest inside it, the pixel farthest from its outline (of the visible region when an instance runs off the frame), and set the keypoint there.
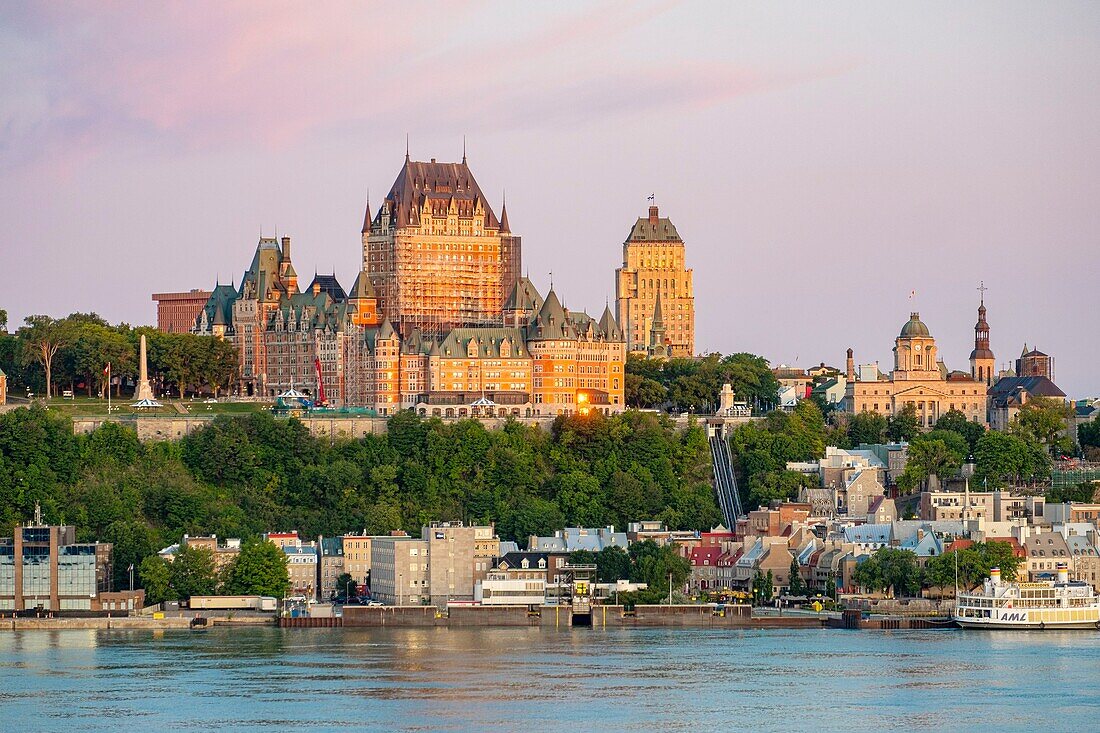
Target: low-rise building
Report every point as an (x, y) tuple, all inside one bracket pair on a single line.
[(572, 539), (224, 552)]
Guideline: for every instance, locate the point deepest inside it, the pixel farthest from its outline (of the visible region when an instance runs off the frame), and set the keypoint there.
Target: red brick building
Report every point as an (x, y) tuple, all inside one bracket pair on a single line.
[(176, 312)]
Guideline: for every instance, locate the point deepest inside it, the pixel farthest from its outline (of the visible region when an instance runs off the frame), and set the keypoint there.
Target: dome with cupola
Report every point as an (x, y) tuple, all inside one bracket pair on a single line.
[(914, 327)]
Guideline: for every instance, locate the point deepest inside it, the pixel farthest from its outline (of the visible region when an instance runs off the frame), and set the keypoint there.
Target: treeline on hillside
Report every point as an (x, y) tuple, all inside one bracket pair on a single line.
[(73, 352), (693, 384), (242, 476), (762, 449)]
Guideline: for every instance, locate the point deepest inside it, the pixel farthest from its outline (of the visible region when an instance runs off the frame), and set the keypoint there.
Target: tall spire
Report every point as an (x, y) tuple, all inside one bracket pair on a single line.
[(657, 315), (367, 216), (982, 363), (406, 147), (463, 150), (503, 208)]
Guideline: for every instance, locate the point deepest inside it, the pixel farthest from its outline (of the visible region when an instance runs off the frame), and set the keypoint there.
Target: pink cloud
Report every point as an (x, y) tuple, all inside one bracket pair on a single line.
[(199, 77)]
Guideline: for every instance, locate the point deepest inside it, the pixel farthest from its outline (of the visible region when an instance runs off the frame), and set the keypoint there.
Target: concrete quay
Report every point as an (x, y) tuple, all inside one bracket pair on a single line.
[(609, 616)]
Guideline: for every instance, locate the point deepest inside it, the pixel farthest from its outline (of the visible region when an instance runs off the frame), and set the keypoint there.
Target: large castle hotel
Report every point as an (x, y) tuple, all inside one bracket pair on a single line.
[(921, 379), (438, 319)]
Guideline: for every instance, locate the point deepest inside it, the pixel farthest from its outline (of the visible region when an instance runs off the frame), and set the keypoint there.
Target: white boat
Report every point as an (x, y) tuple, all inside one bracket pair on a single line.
[(1048, 604)]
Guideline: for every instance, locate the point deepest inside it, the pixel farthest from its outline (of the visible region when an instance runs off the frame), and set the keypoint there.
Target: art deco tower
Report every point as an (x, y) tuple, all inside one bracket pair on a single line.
[(653, 262)]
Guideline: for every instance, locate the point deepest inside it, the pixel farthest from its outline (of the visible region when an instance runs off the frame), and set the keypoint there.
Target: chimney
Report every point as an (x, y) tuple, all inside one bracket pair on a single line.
[(653, 215), (851, 367), (286, 249)]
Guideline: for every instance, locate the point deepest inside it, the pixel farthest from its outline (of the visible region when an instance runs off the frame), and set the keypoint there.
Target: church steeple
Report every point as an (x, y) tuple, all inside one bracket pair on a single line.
[(657, 347), (982, 364)]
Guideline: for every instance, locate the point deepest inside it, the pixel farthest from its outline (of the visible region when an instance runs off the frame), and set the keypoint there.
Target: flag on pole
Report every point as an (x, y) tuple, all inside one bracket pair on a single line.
[(651, 197), (912, 294), (107, 369)]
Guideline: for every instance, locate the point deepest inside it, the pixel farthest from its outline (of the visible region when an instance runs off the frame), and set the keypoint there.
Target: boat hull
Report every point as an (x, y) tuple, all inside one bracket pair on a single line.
[(979, 623)]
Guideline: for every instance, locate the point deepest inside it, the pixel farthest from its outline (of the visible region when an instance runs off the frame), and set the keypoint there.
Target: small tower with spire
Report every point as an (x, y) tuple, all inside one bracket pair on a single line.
[(658, 349), (982, 363)]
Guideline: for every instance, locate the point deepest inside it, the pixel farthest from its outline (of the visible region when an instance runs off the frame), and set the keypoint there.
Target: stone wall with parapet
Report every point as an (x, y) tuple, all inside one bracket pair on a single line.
[(168, 427)]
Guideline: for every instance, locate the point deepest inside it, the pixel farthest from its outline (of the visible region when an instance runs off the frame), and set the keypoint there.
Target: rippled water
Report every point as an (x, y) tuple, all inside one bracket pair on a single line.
[(534, 680)]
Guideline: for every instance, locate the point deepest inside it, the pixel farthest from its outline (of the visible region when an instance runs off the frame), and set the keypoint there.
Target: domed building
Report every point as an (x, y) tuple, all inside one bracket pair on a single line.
[(921, 379)]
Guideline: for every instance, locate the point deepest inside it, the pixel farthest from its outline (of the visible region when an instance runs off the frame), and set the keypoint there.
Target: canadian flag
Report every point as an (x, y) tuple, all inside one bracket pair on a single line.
[(107, 369)]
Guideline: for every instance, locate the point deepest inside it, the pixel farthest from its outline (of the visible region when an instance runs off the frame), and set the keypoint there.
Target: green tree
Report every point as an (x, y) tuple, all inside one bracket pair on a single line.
[(763, 587), (191, 572), (345, 588), (612, 563), (156, 579), (259, 570), (43, 338), (867, 427), (903, 425), (1084, 493), (956, 422), (582, 557), (797, 586), (1088, 435), (1000, 459), (890, 568), (929, 457), (1044, 420)]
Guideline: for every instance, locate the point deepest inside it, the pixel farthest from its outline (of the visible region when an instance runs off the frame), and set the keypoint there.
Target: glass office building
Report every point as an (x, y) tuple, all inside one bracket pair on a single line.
[(42, 567)]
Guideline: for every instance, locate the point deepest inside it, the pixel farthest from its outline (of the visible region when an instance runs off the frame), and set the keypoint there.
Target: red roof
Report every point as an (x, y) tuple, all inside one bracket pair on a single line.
[(962, 544), (701, 556)]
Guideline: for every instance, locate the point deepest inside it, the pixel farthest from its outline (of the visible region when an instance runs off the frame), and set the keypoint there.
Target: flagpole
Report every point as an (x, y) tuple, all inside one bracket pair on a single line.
[(108, 389)]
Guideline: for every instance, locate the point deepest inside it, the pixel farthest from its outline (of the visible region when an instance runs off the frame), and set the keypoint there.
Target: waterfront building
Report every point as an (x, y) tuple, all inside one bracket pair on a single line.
[(302, 568), (176, 312), (512, 587), (655, 286), (43, 566), (921, 379), (455, 552), (302, 563), (436, 253), (331, 556), (399, 570), (518, 564)]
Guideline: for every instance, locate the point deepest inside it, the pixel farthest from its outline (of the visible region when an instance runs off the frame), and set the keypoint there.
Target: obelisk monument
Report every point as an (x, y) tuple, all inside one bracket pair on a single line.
[(143, 391)]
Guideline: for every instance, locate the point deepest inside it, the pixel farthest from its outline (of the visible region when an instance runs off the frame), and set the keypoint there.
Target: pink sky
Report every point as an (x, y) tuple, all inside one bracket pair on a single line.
[(821, 161)]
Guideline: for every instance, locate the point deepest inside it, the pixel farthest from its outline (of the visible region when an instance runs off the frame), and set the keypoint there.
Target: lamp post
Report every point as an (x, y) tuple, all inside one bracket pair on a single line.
[(670, 589), (400, 579), (347, 591)]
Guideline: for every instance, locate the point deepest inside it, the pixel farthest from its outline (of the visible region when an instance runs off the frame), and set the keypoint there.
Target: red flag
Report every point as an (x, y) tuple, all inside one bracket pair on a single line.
[(107, 369)]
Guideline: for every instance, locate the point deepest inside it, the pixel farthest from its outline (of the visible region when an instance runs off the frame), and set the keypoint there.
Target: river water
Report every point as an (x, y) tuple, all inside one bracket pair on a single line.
[(548, 680)]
